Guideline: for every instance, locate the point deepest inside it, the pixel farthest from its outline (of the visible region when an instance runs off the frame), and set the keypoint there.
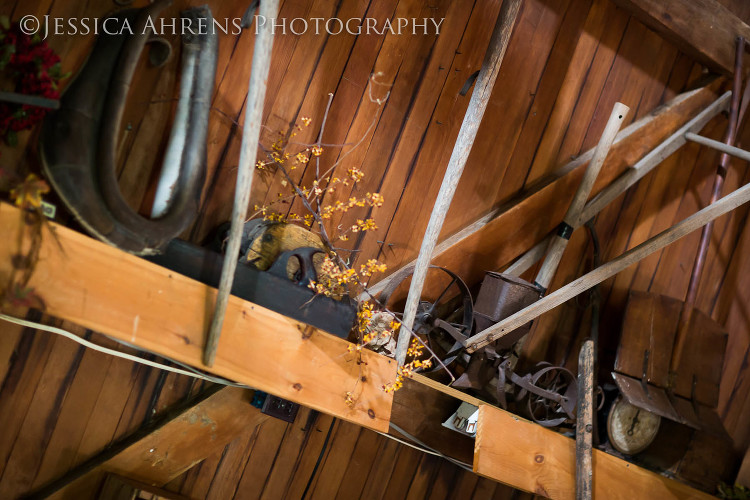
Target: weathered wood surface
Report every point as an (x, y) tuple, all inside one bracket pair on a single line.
[(182, 441), (130, 299), (480, 98), (558, 243), (547, 467), (567, 64), (528, 218), (585, 422), (611, 268), (261, 65), (705, 29)]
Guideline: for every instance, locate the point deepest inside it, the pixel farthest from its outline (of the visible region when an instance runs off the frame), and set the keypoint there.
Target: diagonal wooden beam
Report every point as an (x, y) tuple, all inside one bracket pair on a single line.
[(497, 238), (174, 443), (703, 29)]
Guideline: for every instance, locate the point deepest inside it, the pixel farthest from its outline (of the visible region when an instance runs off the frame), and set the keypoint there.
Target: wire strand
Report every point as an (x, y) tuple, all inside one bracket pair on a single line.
[(190, 372)]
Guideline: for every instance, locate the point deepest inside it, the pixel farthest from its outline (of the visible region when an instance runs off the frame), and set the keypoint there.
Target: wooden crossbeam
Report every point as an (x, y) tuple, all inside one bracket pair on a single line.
[(128, 298), (529, 457), (704, 29), (175, 443), (125, 297)]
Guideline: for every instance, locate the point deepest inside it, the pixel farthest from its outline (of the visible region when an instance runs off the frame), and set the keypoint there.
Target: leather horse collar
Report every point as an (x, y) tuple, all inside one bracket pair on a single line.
[(79, 141)]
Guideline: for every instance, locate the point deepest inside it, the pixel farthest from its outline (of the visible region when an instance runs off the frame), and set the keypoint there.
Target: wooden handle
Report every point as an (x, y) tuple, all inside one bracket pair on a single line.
[(249, 149), (627, 179), (585, 282), (477, 106), (554, 255), (585, 422), (558, 244)]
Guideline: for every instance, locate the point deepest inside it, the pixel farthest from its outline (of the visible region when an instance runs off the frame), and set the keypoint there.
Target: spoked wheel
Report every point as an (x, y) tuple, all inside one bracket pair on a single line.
[(446, 321), (552, 394)]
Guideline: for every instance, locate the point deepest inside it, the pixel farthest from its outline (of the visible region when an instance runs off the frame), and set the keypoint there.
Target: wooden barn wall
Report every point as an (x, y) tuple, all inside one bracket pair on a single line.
[(568, 62)]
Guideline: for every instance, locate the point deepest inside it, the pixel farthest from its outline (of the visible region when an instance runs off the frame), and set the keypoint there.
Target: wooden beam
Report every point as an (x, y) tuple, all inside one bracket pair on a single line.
[(703, 29), (109, 291), (480, 98), (696, 221), (176, 442), (532, 458), (528, 218)]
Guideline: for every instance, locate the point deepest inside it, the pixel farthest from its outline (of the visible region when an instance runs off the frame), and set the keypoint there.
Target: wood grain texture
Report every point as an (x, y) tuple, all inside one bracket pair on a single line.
[(528, 218), (705, 29), (585, 422), (128, 298), (464, 143), (181, 443), (566, 65), (544, 463), (611, 268)]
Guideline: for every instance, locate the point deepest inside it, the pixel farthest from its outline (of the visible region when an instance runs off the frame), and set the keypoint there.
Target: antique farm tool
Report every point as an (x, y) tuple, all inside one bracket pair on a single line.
[(79, 141), (611, 268), (560, 241), (249, 149), (446, 328), (502, 295), (671, 354), (468, 132), (627, 179)]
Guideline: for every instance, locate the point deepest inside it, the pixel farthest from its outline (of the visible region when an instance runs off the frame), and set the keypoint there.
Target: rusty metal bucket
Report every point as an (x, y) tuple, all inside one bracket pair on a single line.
[(500, 296)]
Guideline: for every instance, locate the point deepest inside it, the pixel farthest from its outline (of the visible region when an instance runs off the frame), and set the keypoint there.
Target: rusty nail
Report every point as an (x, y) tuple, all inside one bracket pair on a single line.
[(371, 413), (297, 386), (539, 459)]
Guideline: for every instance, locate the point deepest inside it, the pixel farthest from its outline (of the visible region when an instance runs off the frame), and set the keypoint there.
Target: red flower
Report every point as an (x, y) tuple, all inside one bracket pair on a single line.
[(34, 68)]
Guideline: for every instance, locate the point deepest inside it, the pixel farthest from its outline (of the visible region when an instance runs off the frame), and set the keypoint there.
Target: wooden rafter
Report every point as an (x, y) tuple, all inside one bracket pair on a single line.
[(161, 452), (704, 29), (527, 219), (105, 289), (544, 463), (132, 300)]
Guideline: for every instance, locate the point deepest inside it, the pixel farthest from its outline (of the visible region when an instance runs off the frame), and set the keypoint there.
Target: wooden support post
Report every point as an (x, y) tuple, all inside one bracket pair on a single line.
[(560, 240), (532, 458), (585, 422), (477, 106), (130, 299), (256, 96), (585, 282)]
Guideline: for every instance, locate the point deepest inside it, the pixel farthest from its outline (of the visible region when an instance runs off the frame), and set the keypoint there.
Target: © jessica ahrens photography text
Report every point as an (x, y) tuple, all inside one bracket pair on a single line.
[(58, 26)]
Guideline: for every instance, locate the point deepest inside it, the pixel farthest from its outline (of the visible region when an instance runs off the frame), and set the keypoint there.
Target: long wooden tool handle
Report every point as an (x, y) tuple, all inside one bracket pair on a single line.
[(250, 135), (576, 287), (585, 422), (558, 243), (627, 179), (477, 106)]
